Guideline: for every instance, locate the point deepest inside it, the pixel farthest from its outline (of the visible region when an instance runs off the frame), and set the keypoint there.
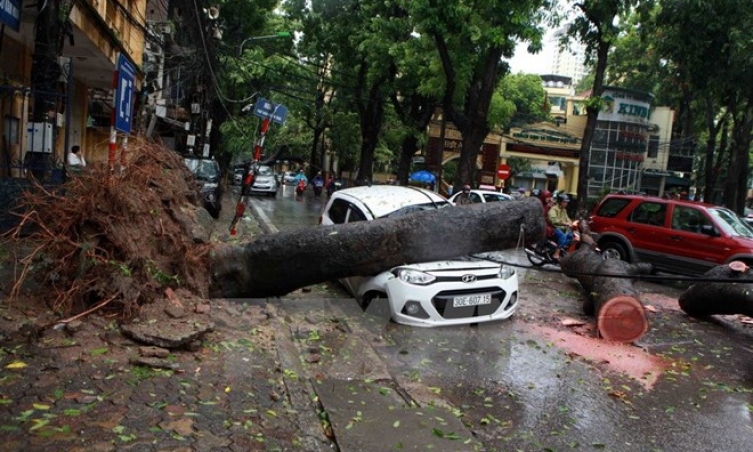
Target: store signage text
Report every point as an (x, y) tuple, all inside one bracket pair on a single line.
[(633, 110)]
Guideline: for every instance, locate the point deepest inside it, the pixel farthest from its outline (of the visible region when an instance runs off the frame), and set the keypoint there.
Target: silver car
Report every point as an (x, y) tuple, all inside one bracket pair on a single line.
[(265, 181)]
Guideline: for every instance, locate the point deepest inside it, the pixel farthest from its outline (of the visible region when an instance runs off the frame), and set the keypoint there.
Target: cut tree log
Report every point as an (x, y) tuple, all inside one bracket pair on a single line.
[(620, 315), (720, 298), (276, 264)]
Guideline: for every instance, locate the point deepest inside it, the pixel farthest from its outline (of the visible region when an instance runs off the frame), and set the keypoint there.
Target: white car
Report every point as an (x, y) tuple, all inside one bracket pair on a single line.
[(449, 292), (483, 196), (288, 178), (265, 181)]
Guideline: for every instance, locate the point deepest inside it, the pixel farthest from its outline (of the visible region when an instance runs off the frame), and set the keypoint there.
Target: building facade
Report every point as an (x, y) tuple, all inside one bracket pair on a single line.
[(95, 34)]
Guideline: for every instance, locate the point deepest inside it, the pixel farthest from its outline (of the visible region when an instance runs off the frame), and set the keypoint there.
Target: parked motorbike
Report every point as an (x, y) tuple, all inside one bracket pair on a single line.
[(299, 189), (542, 253)]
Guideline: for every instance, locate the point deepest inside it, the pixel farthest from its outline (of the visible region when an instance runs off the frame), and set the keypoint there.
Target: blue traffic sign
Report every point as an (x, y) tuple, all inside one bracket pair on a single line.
[(267, 109), (279, 114), (124, 94), (263, 108)]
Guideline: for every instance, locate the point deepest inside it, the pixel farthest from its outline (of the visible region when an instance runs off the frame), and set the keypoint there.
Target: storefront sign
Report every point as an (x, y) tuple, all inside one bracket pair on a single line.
[(620, 108)]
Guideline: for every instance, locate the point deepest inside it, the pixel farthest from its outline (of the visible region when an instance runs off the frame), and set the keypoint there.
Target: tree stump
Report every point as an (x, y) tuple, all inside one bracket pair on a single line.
[(276, 264), (620, 315), (721, 298)]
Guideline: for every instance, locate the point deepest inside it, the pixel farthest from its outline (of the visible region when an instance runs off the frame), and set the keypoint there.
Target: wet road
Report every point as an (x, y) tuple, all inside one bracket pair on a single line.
[(288, 211), (540, 381)]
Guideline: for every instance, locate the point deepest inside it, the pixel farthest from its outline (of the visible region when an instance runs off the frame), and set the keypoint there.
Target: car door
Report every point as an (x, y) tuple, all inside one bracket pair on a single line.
[(687, 248), (353, 213), (646, 227)]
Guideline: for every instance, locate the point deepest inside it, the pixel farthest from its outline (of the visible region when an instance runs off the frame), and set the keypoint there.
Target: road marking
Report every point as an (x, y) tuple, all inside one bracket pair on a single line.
[(266, 223)]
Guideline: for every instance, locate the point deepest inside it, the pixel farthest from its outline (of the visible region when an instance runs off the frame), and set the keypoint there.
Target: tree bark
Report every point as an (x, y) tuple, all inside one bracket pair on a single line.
[(722, 298), (276, 264), (620, 315), (584, 162)]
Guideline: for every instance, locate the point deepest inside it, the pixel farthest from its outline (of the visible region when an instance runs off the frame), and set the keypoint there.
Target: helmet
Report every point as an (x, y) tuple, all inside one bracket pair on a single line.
[(562, 197), (546, 194), (536, 192), (466, 187), (521, 190)]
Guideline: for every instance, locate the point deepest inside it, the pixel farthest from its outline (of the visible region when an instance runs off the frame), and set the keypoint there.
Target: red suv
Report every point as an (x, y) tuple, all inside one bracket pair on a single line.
[(675, 236)]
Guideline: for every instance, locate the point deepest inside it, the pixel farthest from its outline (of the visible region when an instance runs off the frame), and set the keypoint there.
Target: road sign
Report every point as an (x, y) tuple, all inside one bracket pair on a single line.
[(263, 108), (267, 109), (124, 94), (503, 171), (279, 114)]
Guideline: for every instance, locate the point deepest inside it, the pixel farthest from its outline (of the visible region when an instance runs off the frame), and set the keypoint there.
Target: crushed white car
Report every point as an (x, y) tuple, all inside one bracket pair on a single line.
[(449, 292)]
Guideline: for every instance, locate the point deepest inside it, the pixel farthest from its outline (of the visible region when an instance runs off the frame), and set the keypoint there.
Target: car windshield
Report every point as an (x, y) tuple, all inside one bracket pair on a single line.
[(416, 208), (731, 223), (204, 169), (264, 171)]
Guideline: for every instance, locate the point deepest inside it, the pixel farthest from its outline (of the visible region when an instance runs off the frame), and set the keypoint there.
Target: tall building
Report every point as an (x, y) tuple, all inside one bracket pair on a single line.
[(569, 62)]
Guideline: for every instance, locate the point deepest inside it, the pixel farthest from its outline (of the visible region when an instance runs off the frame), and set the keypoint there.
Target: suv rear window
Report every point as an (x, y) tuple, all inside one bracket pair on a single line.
[(610, 208)]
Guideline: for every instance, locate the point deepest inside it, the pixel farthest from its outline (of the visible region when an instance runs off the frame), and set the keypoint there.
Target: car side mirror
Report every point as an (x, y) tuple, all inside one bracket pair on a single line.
[(709, 230)]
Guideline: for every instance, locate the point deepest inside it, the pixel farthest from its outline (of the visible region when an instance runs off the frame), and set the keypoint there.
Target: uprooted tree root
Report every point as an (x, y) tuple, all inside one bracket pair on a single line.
[(114, 242)]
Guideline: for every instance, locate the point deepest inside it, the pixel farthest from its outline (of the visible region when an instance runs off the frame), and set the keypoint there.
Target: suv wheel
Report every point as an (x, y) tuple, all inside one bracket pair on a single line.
[(614, 250)]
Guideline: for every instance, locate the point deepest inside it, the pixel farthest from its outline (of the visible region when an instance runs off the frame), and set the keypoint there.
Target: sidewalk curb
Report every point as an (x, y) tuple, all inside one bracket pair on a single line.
[(301, 391)]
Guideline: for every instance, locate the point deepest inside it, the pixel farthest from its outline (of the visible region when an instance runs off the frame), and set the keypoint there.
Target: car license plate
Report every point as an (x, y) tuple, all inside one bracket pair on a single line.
[(472, 300)]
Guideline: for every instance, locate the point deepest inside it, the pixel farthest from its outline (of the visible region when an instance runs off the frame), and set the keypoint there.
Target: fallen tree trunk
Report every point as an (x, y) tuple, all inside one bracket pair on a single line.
[(720, 298), (620, 315), (276, 264)]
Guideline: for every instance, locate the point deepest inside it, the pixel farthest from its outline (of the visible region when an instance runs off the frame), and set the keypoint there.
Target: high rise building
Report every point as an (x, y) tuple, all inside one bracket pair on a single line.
[(569, 62)]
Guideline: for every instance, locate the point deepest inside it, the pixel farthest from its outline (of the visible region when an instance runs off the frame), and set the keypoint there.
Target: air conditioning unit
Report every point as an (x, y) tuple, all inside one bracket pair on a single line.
[(39, 137)]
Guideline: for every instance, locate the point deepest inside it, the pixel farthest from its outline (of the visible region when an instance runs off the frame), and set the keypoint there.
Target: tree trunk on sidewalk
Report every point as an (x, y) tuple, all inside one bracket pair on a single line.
[(276, 264), (620, 315), (720, 298)]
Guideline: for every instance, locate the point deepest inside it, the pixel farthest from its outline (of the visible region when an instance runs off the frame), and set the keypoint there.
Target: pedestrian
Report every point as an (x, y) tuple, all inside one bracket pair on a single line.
[(75, 160), (464, 198)]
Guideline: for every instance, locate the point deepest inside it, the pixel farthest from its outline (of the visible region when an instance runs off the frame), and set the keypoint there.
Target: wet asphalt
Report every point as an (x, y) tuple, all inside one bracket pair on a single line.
[(311, 371)]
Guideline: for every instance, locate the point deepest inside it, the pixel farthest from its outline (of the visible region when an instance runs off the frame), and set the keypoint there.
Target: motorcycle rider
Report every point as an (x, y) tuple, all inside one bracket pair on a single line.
[(318, 182), (561, 222), (300, 182)]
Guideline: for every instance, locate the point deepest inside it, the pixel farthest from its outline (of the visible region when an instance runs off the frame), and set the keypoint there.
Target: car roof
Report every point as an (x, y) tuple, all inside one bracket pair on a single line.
[(485, 192), (685, 202), (384, 199)]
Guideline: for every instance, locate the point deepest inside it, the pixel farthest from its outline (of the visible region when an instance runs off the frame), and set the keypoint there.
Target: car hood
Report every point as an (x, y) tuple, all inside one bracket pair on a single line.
[(464, 264)]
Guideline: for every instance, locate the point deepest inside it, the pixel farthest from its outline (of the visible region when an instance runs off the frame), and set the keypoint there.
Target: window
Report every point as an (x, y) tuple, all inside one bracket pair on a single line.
[(338, 211), (688, 219), (475, 198), (355, 215), (612, 207), (653, 146), (650, 213)]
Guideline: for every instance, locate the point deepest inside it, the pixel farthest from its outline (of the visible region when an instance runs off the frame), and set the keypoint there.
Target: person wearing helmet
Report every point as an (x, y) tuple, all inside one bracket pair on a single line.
[(536, 193), (561, 222), (464, 198)]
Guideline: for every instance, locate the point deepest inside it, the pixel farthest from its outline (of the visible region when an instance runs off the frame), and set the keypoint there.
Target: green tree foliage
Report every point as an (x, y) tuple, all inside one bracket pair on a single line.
[(471, 40), (709, 49), (518, 100)]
